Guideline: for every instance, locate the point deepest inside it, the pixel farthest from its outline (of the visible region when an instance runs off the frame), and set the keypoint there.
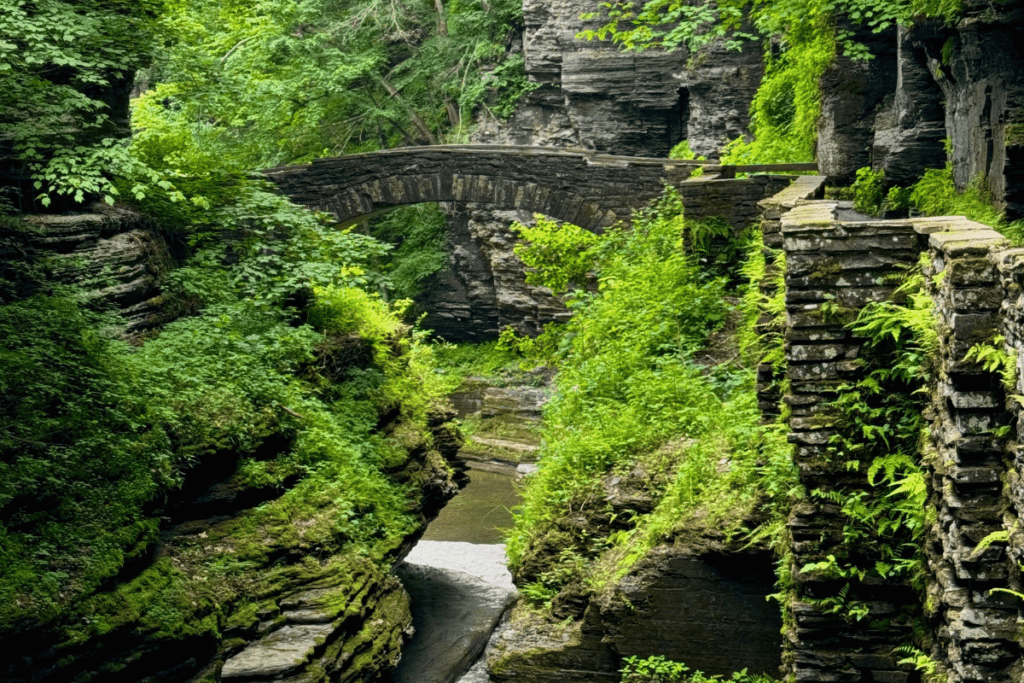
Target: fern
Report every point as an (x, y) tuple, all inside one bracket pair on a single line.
[(996, 358)]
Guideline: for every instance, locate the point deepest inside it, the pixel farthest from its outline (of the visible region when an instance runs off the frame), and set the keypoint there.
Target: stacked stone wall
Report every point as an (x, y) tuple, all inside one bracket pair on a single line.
[(833, 269), (973, 461), (975, 628)]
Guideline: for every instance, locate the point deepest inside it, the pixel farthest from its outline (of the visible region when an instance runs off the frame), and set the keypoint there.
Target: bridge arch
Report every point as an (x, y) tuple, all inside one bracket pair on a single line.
[(378, 196)]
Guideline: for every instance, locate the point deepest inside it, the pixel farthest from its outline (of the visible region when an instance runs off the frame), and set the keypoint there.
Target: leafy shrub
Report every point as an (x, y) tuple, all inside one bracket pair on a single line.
[(417, 235), (936, 195), (785, 110), (869, 191), (658, 669), (555, 253)]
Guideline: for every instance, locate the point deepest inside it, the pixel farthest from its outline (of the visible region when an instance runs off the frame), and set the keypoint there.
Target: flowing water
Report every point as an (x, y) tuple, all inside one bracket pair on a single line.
[(481, 511)]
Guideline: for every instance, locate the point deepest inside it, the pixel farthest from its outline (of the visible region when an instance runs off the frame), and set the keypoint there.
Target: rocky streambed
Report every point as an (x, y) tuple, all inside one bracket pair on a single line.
[(456, 577)]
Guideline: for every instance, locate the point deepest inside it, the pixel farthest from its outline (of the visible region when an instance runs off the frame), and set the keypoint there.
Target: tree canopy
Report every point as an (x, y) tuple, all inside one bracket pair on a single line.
[(230, 86)]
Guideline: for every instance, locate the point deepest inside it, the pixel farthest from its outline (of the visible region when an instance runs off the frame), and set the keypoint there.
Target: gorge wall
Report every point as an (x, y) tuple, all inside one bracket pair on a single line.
[(593, 96), (931, 82)]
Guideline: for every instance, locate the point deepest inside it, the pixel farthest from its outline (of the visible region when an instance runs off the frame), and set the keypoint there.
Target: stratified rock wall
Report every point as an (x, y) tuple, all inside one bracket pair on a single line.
[(116, 255), (637, 104), (910, 126), (852, 92), (591, 94), (708, 611), (980, 71)]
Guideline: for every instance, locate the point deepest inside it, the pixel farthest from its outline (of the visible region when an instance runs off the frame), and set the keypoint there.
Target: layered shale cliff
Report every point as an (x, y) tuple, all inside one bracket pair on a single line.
[(590, 95)]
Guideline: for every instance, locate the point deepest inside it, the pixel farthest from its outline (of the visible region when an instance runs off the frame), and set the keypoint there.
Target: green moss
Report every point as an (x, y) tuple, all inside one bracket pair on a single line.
[(233, 644), (826, 268)]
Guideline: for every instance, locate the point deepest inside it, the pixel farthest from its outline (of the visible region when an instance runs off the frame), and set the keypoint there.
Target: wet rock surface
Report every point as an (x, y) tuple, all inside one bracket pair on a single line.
[(282, 652), (458, 591), (852, 92), (910, 126), (506, 420), (706, 610)]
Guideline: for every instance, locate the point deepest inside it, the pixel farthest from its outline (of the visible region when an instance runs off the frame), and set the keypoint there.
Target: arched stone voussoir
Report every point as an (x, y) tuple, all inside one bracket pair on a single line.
[(579, 186), (356, 203)]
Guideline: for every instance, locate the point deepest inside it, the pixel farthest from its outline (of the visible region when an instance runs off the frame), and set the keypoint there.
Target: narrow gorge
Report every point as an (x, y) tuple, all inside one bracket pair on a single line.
[(491, 341)]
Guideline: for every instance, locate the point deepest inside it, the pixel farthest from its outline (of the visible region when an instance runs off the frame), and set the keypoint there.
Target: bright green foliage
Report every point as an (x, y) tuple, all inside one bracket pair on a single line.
[(785, 110), (282, 250), (658, 669), (682, 151), (246, 86), (56, 59), (93, 435), (671, 24), (239, 86), (870, 195), (994, 357), (936, 195), (418, 236), (921, 662), (869, 191), (631, 393), (555, 254), (77, 460)]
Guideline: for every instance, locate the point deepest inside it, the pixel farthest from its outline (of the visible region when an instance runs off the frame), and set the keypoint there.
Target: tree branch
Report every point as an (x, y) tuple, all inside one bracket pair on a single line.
[(420, 124)]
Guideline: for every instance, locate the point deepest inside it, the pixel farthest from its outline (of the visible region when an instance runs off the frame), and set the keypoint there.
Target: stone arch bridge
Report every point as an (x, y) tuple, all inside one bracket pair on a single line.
[(483, 289), (578, 186)]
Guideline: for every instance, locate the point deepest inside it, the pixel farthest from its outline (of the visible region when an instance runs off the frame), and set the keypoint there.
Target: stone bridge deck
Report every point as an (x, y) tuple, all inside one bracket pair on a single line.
[(579, 186)]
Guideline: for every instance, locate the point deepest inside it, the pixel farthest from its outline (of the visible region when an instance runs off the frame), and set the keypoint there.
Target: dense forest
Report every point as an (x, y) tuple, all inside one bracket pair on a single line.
[(288, 367)]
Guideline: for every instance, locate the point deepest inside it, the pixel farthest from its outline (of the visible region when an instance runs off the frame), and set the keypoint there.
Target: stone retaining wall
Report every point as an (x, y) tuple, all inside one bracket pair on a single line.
[(834, 268)]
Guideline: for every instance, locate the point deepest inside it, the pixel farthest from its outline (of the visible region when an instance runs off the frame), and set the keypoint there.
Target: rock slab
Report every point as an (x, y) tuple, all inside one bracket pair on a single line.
[(458, 591), (282, 652)]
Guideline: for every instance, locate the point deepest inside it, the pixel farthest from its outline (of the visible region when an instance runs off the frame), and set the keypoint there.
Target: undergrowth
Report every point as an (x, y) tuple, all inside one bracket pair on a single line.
[(658, 669), (633, 401), (279, 378), (935, 194)]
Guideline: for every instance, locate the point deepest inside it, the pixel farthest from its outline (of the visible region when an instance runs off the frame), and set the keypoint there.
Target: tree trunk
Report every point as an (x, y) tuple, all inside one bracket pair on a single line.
[(420, 124), (453, 113), (442, 27)]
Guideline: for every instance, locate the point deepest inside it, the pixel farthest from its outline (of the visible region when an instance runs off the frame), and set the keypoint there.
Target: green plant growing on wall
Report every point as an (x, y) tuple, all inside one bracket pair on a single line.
[(880, 432), (658, 669), (995, 357), (57, 59), (869, 191)]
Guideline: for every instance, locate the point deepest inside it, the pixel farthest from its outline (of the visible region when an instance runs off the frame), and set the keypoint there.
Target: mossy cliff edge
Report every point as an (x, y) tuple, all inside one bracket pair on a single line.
[(221, 498)]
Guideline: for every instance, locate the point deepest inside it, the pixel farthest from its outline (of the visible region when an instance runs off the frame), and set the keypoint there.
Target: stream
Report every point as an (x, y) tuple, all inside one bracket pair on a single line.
[(457, 581), (456, 576)]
